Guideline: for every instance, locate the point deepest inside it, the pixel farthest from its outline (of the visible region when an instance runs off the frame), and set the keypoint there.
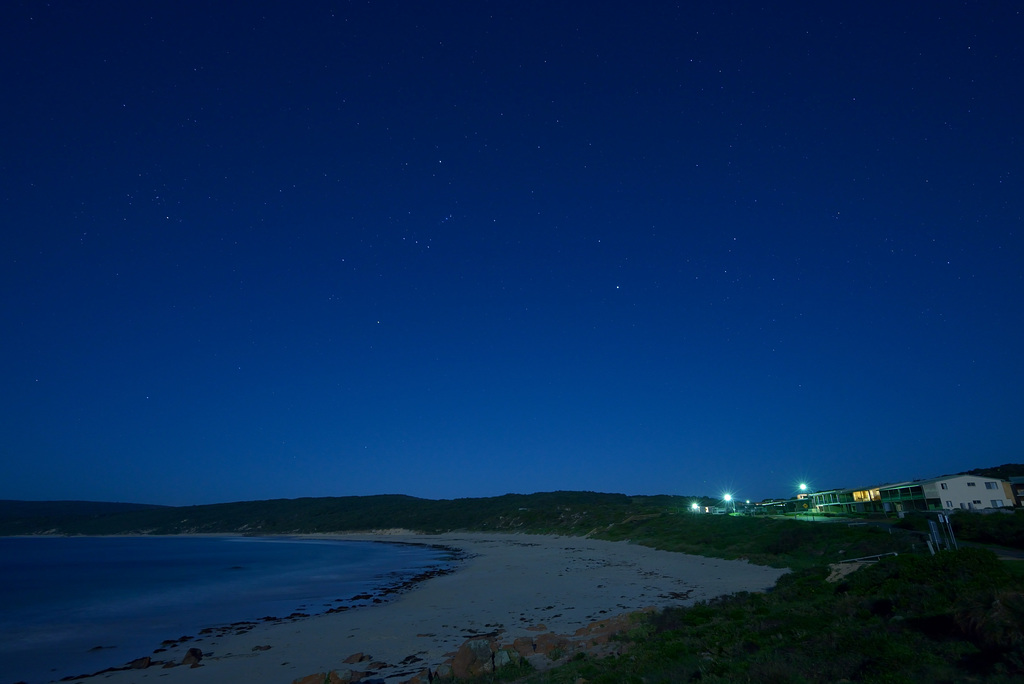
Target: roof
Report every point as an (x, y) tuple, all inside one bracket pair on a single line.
[(943, 478)]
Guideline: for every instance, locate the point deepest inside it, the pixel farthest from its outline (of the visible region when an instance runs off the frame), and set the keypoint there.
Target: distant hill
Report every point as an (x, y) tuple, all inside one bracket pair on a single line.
[(566, 512), (30, 517), (9, 508), (1003, 472)]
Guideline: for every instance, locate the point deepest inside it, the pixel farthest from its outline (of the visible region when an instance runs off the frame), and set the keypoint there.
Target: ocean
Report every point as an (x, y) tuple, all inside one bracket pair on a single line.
[(78, 605)]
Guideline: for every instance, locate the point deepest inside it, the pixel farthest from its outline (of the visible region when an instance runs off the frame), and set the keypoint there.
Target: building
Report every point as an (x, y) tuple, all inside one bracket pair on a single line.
[(1017, 490), (862, 500), (947, 493)]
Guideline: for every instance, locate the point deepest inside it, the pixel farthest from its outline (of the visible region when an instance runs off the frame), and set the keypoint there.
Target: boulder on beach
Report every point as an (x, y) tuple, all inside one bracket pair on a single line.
[(474, 658), (140, 663)]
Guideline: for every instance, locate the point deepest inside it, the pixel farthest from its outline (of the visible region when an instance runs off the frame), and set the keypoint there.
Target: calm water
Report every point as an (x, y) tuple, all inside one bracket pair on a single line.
[(62, 597)]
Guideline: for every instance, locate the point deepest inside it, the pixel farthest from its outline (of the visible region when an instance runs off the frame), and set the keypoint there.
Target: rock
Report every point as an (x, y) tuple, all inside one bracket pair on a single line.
[(193, 657), (423, 677), (332, 677), (261, 648), (357, 658), (523, 646), (474, 658), (317, 678), (503, 657), (546, 643), (600, 632), (139, 663)]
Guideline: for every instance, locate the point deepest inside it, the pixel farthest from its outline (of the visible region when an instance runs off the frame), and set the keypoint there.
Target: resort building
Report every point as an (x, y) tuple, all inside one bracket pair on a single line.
[(952, 492)]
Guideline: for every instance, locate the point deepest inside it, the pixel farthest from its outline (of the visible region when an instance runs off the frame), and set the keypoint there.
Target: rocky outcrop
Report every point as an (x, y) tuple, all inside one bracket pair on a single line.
[(332, 677), (484, 654), (480, 656)]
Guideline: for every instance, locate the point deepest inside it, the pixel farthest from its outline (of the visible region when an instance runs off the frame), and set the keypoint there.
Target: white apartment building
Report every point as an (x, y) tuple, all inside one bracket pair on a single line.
[(951, 492)]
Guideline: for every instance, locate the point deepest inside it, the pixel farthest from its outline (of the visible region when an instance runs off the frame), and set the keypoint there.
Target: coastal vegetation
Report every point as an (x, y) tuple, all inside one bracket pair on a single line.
[(952, 617), (955, 616), (949, 617)]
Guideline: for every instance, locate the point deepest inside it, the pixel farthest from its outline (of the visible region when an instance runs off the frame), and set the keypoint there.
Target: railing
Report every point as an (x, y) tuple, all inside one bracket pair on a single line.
[(901, 494), (869, 559)]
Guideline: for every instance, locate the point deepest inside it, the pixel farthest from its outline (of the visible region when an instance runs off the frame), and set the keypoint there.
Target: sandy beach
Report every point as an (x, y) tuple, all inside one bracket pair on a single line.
[(510, 586)]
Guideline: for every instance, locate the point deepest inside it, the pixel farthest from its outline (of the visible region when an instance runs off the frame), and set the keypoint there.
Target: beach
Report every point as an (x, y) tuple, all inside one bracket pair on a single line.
[(534, 588)]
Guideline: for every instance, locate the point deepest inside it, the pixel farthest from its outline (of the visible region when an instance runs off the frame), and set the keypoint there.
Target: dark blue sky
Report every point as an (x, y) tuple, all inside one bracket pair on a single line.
[(257, 250)]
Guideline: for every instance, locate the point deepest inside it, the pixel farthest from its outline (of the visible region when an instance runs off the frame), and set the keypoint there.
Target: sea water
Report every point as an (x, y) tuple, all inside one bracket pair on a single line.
[(77, 605)]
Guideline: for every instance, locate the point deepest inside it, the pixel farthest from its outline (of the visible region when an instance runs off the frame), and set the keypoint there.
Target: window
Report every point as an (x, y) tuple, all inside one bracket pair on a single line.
[(997, 503), (949, 504), (991, 485), (977, 501), (944, 485), (971, 484)]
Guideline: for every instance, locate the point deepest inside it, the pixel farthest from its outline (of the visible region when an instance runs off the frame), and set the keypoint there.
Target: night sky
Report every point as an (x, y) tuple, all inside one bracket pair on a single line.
[(263, 249)]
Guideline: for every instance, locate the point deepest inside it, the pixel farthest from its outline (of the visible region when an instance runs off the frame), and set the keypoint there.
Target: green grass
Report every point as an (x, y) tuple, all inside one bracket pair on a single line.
[(776, 542), (1014, 566)]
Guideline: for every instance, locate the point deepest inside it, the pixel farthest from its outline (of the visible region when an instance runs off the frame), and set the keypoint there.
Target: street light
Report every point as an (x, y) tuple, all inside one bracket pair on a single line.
[(803, 488), (728, 498), (695, 507)]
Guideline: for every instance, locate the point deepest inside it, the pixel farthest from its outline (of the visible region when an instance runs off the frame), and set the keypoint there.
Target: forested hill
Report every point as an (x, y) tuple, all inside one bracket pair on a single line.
[(568, 512), (44, 514), (1003, 472)]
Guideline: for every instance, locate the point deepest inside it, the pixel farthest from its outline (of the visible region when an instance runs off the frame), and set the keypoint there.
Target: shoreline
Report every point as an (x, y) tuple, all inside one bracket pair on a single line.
[(85, 631), (506, 587)]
